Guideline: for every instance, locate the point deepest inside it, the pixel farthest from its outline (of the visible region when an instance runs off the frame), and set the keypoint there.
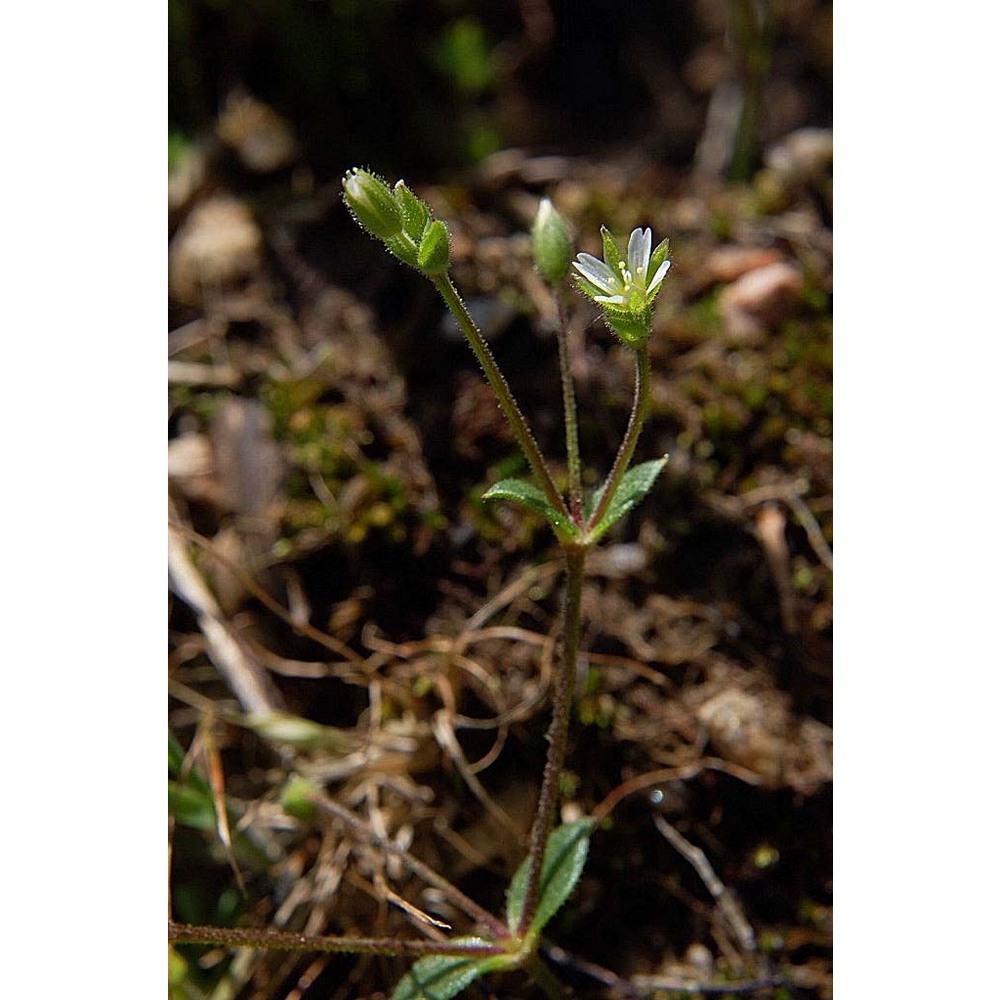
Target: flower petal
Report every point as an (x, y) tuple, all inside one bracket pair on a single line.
[(661, 273), (597, 273), (640, 243)]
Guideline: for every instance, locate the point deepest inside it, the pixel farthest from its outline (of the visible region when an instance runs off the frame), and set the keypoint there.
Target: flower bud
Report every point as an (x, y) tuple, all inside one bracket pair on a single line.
[(372, 204), (434, 254), (551, 242)]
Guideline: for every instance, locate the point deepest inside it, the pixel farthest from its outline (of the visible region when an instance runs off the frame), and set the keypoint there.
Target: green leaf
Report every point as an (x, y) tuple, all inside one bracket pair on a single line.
[(176, 769), (440, 977), (296, 797), (635, 484), (190, 806), (528, 495), (562, 866)]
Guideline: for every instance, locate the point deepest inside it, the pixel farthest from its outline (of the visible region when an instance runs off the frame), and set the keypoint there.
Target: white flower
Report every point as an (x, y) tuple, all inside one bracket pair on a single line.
[(621, 284), (630, 284)]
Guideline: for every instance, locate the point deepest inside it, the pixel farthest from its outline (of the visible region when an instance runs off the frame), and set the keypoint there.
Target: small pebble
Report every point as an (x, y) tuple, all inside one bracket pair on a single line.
[(219, 245), (759, 300)]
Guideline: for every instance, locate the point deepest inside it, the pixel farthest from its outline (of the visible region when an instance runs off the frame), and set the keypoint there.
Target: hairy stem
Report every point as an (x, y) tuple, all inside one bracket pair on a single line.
[(558, 735), (232, 937), (640, 406), (569, 408), (502, 391)]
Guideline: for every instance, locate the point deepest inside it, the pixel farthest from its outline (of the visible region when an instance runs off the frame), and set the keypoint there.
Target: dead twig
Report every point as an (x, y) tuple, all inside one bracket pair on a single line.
[(724, 898), (658, 777), (366, 833)]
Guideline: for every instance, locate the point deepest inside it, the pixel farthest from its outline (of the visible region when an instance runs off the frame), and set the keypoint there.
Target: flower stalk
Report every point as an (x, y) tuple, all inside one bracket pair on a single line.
[(495, 377), (575, 485), (640, 407)]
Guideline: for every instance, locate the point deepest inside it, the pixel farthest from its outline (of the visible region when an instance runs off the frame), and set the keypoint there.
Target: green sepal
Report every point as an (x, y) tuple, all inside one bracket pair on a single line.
[(613, 254), (416, 213), (631, 328), (635, 484), (562, 866), (434, 254), (403, 247), (440, 977), (656, 258), (520, 491)]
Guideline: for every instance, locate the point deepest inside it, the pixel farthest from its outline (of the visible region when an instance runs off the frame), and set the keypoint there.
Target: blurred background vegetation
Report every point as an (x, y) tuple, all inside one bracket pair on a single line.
[(419, 87)]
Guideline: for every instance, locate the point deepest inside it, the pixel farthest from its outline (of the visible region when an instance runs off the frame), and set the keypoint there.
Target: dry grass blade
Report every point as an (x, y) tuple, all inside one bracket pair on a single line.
[(217, 780), (246, 678), (724, 898), (444, 733)]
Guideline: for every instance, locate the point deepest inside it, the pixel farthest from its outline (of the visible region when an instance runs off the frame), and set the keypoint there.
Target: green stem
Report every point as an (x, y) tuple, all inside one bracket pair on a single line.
[(569, 409), (545, 978), (232, 937), (558, 735), (500, 387), (640, 407)]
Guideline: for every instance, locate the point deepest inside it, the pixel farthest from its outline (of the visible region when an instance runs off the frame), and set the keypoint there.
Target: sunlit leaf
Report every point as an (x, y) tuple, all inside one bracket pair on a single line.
[(565, 856), (635, 484), (528, 495)]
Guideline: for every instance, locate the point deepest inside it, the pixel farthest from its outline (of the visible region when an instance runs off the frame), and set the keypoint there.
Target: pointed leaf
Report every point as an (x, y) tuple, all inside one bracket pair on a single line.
[(440, 977), (635, 484), (529, 495), (562, 866)]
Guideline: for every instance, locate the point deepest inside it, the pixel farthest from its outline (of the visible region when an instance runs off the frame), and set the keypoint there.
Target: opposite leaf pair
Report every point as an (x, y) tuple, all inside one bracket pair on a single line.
[(440, 977)]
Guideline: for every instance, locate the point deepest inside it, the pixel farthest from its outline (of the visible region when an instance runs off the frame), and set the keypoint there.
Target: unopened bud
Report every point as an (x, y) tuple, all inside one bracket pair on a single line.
[(551, 242), (372, 204)]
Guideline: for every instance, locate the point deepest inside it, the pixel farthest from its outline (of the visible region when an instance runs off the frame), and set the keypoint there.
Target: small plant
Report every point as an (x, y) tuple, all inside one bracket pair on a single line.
[(624, 285)]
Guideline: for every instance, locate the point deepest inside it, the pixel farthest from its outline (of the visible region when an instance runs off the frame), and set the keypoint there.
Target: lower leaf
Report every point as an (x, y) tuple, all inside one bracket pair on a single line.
[(440, 977)]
